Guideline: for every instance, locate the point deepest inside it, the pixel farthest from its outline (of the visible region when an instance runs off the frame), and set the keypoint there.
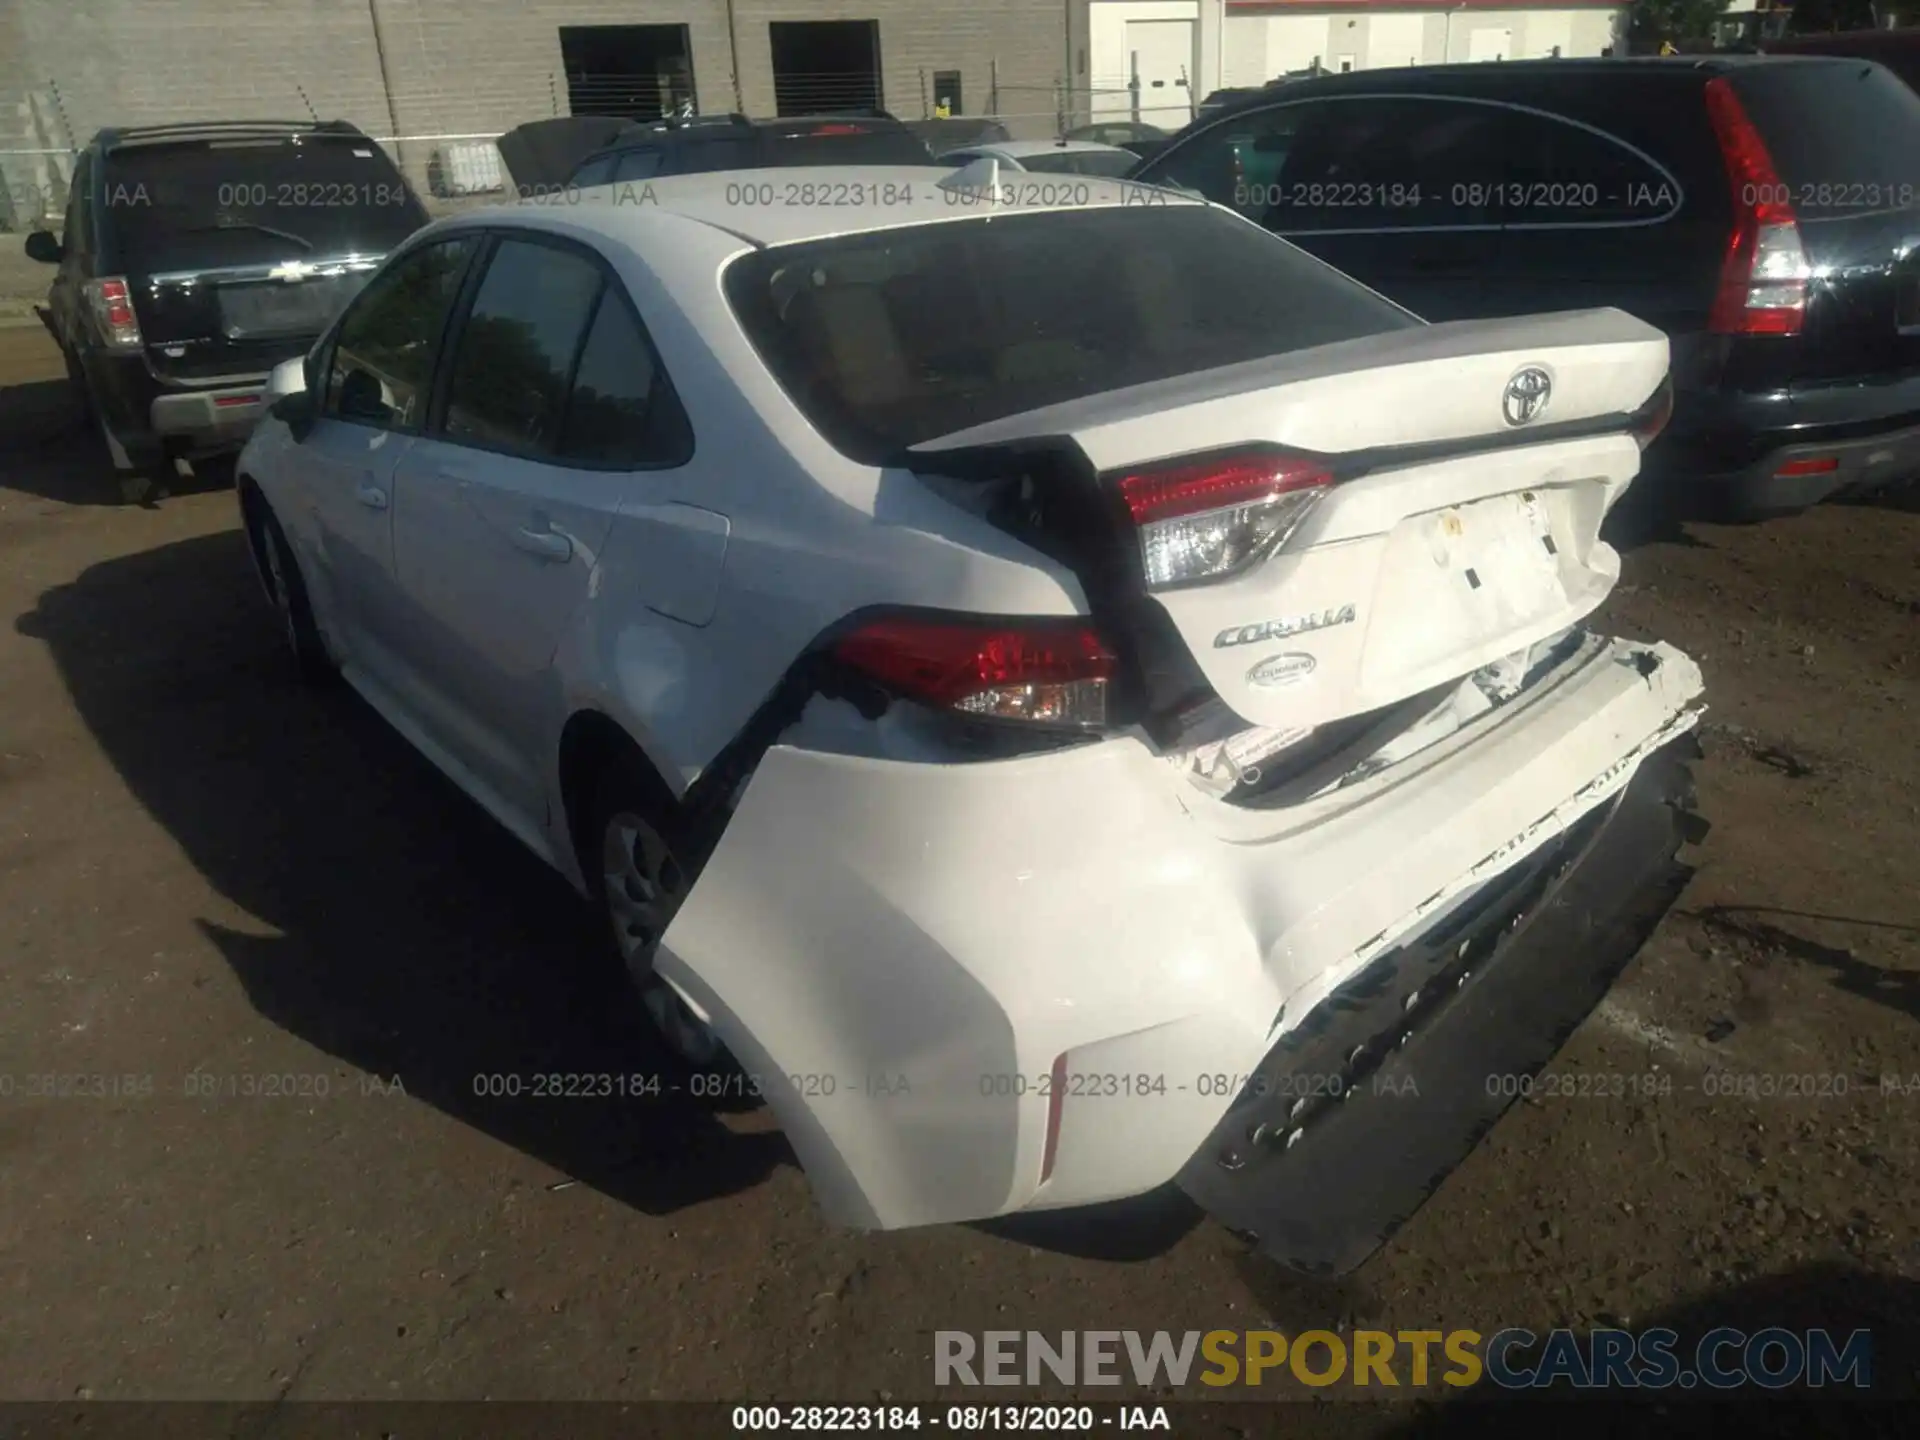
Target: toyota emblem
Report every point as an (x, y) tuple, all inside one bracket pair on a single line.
[(1526, 395)]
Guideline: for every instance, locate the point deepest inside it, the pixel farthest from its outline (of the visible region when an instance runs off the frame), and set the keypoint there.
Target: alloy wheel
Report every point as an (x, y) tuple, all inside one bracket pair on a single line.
[(644, 885)]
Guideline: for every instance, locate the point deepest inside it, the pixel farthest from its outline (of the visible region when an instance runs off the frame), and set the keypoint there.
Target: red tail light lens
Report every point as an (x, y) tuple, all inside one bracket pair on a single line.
[(836, 130), (112, 305), (1823, 465), (1763, 280), (1047, 672), (1205, 518)]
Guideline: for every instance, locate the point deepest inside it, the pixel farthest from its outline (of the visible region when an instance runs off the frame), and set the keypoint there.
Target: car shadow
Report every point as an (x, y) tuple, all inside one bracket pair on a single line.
[(413, 937), (52, 453), (1826, 1297)]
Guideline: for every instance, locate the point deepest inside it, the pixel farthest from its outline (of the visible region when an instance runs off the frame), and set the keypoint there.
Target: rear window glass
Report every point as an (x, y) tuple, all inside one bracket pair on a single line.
[(241, 202), (1844, 135), (892, 338)]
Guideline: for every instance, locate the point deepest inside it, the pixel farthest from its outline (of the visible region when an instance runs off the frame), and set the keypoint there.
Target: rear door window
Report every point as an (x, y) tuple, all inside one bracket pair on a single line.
[(380, 369), (621, 411), (199, 204), (513, 357)]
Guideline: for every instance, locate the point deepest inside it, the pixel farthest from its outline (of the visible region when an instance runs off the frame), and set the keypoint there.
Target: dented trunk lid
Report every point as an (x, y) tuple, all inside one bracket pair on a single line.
[(1472, 463)]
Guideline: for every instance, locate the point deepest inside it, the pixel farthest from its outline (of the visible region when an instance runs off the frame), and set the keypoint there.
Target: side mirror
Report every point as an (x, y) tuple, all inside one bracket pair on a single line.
[(288, 398), (45, 246)]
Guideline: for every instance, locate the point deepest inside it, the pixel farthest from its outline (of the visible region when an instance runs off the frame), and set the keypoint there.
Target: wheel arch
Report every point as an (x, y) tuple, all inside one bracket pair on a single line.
[(592, 742)]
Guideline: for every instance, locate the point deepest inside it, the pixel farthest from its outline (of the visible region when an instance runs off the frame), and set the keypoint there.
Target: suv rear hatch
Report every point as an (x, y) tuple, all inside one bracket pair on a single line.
[(238, 251), (1277, 490), (1843, 138)]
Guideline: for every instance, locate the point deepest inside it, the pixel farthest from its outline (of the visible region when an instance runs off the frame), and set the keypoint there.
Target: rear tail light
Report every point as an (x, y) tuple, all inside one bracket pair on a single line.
[(1652, 417), (1206, 518), (1763, 281), (112, 305), (1046, 672), (836, 130)]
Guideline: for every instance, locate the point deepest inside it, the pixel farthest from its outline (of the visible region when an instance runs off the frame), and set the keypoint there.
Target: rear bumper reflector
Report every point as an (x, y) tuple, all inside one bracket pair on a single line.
[(1818, 465)]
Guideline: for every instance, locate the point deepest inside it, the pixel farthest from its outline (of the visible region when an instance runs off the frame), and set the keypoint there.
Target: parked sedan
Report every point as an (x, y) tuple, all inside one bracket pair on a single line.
[(1052, 721), (1049, 157)]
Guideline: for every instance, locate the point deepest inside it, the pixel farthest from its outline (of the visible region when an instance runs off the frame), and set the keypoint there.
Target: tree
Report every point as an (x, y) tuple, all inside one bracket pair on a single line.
[(1676, 20)]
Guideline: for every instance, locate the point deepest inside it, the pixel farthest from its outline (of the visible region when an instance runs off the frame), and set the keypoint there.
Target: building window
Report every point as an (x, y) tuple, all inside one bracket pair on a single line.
[(946, 93)]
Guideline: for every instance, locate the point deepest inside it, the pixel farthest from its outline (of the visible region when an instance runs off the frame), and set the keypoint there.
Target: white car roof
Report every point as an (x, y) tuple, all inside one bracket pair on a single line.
[(1021, 149), (787, 206)]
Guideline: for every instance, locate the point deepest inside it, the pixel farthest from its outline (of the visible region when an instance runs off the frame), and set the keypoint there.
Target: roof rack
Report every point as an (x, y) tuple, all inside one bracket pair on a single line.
[(117, 136)]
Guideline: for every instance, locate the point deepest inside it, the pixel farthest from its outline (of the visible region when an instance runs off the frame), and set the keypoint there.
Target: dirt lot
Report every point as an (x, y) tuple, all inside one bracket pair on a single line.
[(206, 871)]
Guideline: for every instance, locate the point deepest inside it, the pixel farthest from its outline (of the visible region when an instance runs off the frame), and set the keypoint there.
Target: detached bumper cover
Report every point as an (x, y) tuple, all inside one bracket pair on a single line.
[(906, 953), (1356, 1117)]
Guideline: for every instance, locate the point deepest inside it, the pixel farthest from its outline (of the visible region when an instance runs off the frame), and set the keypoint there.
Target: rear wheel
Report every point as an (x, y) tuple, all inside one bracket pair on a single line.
[(288, 592), (634, 856)]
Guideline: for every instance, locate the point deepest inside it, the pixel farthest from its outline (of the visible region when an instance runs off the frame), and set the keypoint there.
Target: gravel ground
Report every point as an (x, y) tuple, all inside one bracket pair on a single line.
[(206, 871)]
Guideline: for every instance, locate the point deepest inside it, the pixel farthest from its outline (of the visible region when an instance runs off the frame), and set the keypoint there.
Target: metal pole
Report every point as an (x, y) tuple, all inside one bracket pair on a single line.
[(993, 95), (733, 57), (386, 82)]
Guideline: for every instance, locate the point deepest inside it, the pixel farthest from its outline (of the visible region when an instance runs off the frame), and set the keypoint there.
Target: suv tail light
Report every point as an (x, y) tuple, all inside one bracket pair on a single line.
[(112, 305), (1763, 281), (1047, 672), (1204, 518)]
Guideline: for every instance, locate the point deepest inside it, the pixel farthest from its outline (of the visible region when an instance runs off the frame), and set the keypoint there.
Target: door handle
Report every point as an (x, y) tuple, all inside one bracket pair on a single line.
[(371, 495), (547, 544)]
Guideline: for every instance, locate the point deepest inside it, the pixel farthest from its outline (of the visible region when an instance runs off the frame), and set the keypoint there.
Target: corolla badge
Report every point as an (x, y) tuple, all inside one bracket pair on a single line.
[(1277, 670), (1280, 629), (1526, 395)]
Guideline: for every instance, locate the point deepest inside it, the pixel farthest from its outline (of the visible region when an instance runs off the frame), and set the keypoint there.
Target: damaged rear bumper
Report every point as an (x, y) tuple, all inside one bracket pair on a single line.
[(1360, 1112), (976, 988)]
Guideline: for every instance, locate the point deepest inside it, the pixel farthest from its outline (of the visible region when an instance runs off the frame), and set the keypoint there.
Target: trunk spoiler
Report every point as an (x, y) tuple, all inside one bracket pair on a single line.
[(1452, 340)]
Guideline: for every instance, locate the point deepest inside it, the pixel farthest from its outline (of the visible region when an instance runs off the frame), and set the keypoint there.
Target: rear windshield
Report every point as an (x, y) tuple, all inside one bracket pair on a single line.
[(1844, 135), (1110, 163), (887, 339), (863, 147), (239, 202)]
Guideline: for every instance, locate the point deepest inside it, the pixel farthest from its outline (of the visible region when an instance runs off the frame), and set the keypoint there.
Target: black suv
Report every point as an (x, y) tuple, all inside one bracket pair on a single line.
[(654, 149), (1764, 212), (195, 258)]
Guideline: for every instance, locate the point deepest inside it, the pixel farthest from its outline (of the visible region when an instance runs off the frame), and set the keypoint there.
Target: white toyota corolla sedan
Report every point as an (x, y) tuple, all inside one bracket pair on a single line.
[(1063, 692)]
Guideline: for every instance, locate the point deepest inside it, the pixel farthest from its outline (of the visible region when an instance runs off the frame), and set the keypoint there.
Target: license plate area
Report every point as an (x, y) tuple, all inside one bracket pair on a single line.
[(1456, 579), (271, 309)]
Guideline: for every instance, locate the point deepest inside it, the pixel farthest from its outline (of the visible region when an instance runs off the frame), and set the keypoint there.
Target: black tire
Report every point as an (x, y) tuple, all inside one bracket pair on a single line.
[(288, 593), (634, 914)]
